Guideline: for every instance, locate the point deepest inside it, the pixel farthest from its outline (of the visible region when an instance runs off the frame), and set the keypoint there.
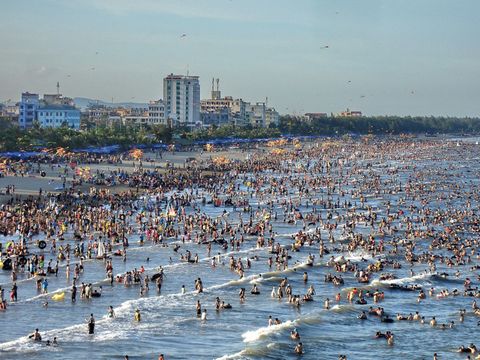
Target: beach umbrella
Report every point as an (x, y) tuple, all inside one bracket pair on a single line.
[(136, 154)]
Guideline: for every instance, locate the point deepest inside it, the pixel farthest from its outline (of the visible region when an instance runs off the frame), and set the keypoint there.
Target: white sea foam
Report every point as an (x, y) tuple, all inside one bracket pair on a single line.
[(238, 355), (255, 335), (404, 280)]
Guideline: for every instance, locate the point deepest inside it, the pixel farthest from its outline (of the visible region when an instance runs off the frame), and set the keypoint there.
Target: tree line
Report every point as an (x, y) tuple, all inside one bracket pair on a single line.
[(13, 138), (378, 125)]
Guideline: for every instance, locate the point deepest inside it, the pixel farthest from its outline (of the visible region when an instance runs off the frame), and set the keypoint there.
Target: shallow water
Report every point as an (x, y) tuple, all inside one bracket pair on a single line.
[(169, 324)]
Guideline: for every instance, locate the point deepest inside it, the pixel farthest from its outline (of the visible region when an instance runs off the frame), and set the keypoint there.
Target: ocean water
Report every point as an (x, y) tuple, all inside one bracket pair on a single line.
[(169, 323)]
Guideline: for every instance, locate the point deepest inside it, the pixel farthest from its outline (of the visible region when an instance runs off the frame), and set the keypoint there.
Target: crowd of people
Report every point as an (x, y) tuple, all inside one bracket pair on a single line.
[(427, 216)]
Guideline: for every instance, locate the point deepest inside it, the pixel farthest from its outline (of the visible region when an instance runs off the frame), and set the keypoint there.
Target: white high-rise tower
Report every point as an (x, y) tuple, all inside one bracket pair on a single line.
[(181, 95)]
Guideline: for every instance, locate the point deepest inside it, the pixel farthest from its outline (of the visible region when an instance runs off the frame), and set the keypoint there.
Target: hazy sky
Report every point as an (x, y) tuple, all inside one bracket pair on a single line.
[(417, 57)]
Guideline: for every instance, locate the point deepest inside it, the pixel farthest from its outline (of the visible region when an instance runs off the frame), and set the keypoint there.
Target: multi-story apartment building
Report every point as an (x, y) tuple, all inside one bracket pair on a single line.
[(52, 111), (52, 115), (28, 107), (181, 95), (156, 112)]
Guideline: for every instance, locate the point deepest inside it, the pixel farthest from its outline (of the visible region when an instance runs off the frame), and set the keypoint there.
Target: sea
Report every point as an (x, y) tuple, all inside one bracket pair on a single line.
[(169, 322)]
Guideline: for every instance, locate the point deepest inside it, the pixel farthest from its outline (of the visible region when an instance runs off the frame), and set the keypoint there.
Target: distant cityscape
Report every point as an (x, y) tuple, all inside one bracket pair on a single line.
[(181, 106)]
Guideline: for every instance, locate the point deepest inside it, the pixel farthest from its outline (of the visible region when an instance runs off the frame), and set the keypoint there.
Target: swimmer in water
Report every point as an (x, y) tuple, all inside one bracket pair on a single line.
[(35, 336), (299, 349), (295, 335), (204, 315), (390, 340), (111, 312)]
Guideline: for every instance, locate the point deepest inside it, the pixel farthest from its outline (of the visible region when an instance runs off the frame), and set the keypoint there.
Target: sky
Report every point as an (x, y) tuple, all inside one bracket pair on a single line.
[(384, 57)]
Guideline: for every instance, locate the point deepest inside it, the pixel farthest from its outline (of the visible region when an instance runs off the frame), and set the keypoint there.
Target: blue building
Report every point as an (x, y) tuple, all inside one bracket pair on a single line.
[(52, 111), (58, 115), (28, 108)]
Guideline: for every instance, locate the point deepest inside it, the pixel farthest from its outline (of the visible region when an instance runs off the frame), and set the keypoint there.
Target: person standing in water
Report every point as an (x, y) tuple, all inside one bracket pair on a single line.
[(137, 316), (199, 308), (45, 286), (91, 324), (111, 312), (74, 293)]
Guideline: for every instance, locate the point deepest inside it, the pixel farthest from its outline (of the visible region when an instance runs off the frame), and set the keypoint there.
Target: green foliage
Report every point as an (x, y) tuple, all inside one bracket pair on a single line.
[(13, 138), (233, 131), (377, 125)]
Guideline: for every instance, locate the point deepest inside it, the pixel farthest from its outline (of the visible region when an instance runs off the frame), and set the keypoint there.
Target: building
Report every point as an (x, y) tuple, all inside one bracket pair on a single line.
[(9, 113), (57, 99), (156, 113), (28, 108), (220, 110), (216, 110), (218, 118), (57, 115), (272, 117), (181, 95), (51, 111), (95, 112), (256, 114), (350, 113), (315, 116), (136, 119)]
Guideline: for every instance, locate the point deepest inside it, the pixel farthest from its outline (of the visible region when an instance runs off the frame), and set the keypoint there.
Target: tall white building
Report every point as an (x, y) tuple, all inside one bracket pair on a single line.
[(181, 95)]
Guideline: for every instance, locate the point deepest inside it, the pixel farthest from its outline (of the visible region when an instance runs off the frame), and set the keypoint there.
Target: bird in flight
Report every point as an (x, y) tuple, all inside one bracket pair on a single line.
[(183, 36), (92, 68)]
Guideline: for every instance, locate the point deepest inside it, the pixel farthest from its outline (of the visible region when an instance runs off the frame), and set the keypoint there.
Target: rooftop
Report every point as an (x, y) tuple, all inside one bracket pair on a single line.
[(180, 77), (57, 107)]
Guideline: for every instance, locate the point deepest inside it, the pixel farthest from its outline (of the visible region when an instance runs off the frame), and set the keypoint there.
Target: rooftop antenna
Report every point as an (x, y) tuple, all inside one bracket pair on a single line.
[(58, 88), (187, 70), (266, 101), (213, 86), (218, 80)]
